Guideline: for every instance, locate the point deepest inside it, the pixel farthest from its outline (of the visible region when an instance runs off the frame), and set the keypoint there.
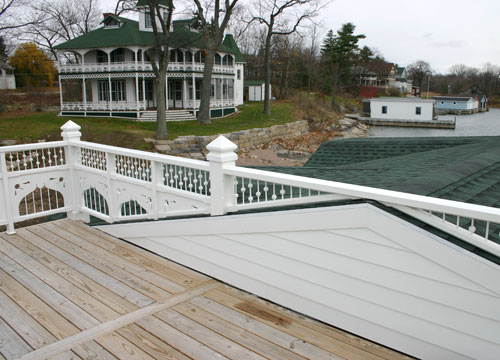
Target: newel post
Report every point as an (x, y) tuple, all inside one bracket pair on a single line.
[(221, 156), (71, 135)]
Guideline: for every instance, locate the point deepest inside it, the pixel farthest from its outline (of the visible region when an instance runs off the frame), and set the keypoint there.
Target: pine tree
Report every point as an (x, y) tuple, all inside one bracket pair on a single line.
[(339, 52)]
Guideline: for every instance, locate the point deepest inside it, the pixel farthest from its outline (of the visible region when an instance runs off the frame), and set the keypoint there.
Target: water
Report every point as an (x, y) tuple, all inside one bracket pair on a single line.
[(479, 124)]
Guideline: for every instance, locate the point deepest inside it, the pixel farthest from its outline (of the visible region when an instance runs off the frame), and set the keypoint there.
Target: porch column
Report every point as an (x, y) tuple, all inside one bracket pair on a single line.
[(144, 92), (194, 91), (137, 85), (60, 81), (184, 92), (60, 92), (109, 84), (84, 88), (166, 94)]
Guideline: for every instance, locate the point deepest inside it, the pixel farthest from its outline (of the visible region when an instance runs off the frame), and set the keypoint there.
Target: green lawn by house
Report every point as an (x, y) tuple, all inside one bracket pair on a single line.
[(30, 127)]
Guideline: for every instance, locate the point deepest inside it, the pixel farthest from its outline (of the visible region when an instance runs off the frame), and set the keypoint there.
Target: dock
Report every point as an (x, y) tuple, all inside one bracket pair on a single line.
[(69, 291), (436, 124)]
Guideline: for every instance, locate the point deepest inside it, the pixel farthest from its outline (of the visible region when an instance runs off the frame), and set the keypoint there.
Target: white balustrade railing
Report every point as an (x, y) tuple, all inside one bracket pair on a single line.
[(116, 184), (103, 106), (139, 66)]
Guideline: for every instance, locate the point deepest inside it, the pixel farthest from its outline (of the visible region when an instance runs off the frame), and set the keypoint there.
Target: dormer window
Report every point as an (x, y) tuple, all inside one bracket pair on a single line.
[(111, 22)]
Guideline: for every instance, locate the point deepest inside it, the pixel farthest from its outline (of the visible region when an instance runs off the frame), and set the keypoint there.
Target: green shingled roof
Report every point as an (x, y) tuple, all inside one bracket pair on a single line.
[(145, 3), (464, 169), (128, 34)]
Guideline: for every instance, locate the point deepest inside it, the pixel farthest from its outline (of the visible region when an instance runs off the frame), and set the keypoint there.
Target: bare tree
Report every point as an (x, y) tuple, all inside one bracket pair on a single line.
[(159, 57), (124, 6), (213, 18), (280, 17), (13, 16), (63, 20), (418, 71)]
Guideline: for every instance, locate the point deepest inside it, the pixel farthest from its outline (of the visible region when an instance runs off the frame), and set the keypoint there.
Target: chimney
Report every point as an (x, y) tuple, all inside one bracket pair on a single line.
[(105, 15)]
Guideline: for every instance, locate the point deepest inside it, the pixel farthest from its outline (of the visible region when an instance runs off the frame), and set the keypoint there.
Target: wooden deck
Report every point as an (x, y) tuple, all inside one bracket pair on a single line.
[(68, 291)]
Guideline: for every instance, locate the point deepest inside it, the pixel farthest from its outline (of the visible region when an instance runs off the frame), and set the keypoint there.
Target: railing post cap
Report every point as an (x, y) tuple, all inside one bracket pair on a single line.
[(71, 131), (221, 145), (222, 150)]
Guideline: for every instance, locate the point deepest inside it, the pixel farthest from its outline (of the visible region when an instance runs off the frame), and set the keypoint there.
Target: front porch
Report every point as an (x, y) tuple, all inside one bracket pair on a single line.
[(131, 96)]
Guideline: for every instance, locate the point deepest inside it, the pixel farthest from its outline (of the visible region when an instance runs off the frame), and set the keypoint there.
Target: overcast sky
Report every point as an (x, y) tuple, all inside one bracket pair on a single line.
[(441, 32)]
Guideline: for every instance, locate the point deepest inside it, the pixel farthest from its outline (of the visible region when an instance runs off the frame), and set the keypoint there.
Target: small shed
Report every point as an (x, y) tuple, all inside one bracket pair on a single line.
[(402, 108), (254, 90), (7, 79), (456, 104)]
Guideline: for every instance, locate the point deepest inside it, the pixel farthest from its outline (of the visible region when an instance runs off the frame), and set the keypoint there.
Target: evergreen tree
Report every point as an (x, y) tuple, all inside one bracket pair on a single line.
[(339, 54)]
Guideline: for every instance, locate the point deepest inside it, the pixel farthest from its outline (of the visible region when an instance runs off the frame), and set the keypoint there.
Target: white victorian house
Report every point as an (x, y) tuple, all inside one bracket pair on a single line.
[(110, 73)]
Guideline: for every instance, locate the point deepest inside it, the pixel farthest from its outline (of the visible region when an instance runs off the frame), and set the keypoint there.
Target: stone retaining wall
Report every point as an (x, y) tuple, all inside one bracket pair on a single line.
[(195, 146)]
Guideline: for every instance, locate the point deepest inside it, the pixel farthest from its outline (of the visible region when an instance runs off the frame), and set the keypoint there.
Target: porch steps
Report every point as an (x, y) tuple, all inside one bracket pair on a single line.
[(172, 115)]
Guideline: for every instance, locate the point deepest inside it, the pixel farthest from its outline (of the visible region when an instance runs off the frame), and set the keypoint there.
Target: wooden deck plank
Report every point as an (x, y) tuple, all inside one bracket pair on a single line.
[(83, 267), (122, 348), (299, 326), (50, 319), (276, 336), (111, 258), (207, 337), (150, 343), (94, 298), (28, 328), (40, 311), (177, 339), (46, 293), (240, 336), (132, 253), (191, 274), (11, 344), (141, 291)]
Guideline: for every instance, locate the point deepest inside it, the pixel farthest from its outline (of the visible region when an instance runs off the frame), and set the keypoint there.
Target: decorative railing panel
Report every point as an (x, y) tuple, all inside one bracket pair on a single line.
[(187, 179), (133, 167), (133, 66), (93, 159), (35, 158), (103, 106)]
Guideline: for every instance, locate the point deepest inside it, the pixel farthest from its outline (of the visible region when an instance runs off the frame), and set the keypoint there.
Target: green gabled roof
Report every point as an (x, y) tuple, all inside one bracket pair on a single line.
[(128, 34), (145, 3), (230, 43), (253, 82)]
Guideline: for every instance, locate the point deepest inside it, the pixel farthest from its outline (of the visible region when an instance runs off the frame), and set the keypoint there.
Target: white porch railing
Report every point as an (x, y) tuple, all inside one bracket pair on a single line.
[(92, 106), (132, 66), (214, 104), (117, 184)]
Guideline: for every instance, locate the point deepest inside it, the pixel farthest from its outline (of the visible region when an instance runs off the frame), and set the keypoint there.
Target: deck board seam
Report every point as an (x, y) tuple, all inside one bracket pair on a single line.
[(110, 326)]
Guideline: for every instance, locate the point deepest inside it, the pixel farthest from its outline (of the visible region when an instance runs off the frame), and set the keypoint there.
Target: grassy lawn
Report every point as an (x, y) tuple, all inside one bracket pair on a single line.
[(30, 127)]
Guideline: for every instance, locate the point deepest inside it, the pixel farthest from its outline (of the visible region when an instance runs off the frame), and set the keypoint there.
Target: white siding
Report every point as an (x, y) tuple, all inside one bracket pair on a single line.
[(401, 110), (355, 267), (238, 84)]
